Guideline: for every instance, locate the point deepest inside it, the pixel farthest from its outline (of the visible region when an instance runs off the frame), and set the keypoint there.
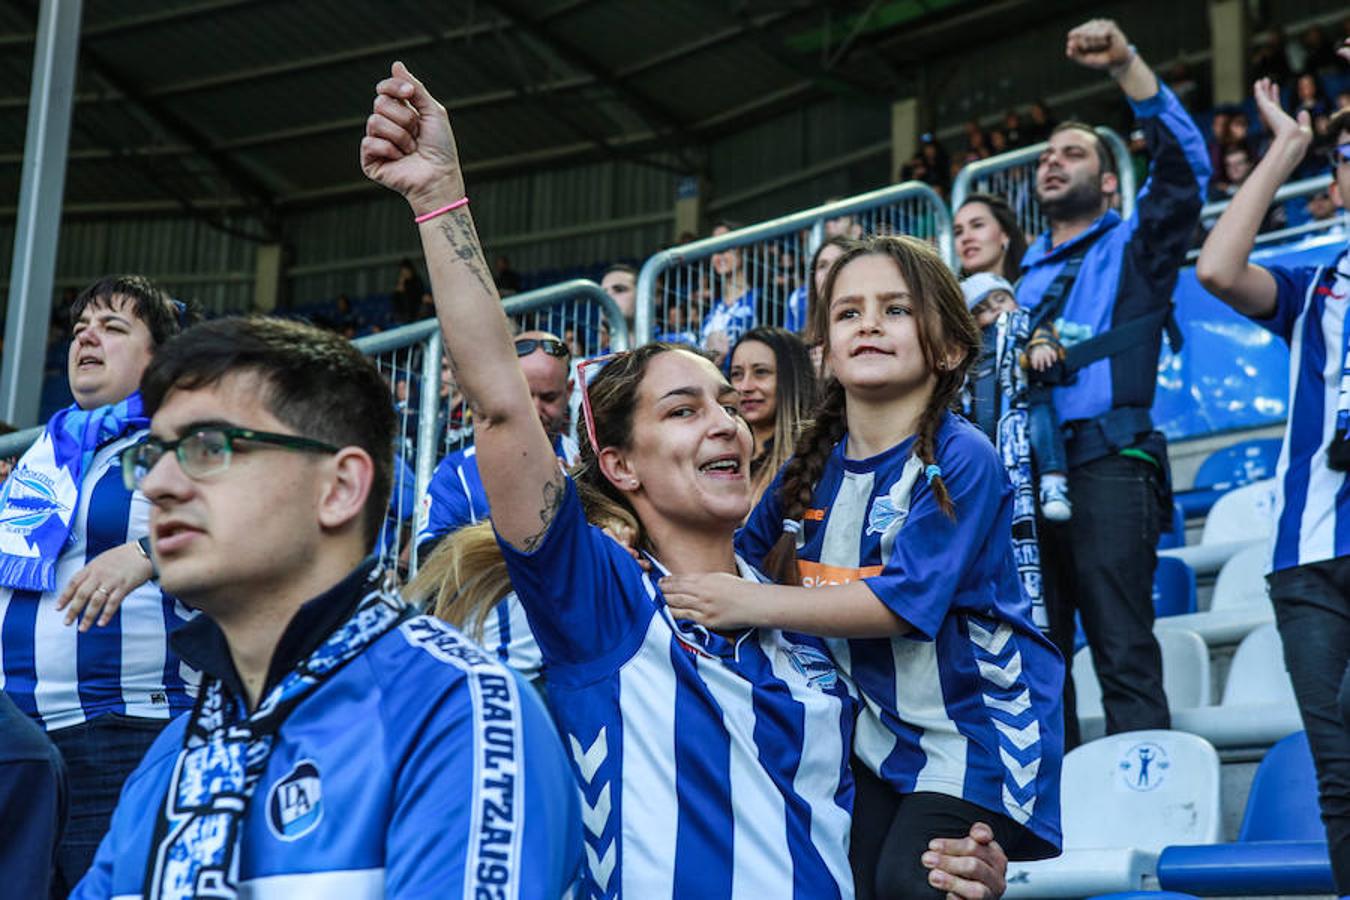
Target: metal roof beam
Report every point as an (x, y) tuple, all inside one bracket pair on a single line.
[(134, 23), (655, 114)]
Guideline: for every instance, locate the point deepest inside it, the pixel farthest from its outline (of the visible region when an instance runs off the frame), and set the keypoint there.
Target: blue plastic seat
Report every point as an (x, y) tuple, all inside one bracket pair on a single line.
[(1176, 535), (1173, 588), (1233, 466), (1281, 846)]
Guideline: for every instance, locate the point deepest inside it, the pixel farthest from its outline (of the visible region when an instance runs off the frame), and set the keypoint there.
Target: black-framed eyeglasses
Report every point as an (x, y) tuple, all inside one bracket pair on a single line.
[(1338, 155), (206, 451), (526, 346)]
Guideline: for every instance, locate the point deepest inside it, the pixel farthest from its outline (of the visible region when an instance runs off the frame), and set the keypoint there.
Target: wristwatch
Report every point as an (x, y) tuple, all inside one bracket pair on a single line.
[(143, 545)]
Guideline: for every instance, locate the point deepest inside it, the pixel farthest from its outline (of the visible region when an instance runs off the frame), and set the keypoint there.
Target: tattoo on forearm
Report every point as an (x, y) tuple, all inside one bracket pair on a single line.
[(554, 490), (458, 230)]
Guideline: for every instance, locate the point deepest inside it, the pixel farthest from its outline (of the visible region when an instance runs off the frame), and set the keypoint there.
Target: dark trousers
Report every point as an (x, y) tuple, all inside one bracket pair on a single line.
[(1312, 609), (1101, 565), (891, 832), (1043, 432), (99, 755)]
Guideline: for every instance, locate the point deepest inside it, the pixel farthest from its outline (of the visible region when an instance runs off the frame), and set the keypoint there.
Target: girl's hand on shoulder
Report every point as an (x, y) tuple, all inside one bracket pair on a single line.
[(717, 600), (1042, 357)]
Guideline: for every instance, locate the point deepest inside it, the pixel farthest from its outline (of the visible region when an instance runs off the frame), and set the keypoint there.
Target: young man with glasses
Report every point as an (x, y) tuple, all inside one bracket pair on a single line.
[(340, 745), (455, 496), (1310, 560)]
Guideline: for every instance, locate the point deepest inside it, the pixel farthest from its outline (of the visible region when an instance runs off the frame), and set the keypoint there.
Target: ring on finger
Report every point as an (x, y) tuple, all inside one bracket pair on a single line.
[(101, 590)]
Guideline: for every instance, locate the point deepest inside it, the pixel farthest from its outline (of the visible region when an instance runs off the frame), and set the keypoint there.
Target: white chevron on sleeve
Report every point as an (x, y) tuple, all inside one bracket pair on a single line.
[(1022, 738), (603, 866), (593, 757), (1014, 707), (1019, 811), (991, 642), (1021, 774), (596, 816), (1004, 676)]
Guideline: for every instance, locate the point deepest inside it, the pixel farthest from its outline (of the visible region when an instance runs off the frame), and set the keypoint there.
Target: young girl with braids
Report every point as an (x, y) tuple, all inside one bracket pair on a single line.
[(898, 513)]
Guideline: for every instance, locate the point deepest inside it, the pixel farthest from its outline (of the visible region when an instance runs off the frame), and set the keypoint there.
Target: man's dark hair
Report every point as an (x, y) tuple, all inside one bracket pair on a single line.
[(1105, 158), (162, 315), (1339, 124), (313, 381), (619, 267)]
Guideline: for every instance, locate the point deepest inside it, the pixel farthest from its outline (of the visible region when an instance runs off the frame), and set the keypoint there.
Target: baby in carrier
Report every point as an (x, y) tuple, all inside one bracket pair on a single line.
[(989, 296)]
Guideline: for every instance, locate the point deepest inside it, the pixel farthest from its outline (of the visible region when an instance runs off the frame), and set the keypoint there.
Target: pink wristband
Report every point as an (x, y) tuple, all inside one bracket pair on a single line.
[(462, 201)]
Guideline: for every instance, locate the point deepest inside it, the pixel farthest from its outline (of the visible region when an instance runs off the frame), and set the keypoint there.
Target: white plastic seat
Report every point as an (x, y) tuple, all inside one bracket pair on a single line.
[(1257, 674), (1258, 707), (1125, 798), (1243, 514), (1239, 604), (1186, 679)]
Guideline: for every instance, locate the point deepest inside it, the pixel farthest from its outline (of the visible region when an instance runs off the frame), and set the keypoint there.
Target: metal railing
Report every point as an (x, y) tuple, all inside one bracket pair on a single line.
[(1012, 176), (429, 425), (770, 261), (1294, 190)]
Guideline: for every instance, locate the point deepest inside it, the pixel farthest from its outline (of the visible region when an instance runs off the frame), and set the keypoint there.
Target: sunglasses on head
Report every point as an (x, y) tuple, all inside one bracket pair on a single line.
[(526, 346), (1338, 154)]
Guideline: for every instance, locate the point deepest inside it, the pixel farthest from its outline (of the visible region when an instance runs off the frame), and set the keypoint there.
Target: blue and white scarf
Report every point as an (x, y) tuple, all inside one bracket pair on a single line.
[(40, 497), (196, 844), (1011, 333)]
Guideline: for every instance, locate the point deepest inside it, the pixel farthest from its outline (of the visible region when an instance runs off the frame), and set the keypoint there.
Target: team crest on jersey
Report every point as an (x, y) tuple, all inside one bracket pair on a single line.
[(295, 802), (889, 511), (815, 666), (29, 500)]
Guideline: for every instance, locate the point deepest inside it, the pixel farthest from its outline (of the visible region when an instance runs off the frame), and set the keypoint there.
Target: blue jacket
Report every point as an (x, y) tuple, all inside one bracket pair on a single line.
[(1131, 266), (422, 768)]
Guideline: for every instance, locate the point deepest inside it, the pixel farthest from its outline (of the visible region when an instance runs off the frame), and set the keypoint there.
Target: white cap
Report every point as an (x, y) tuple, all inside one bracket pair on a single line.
[(981, 285)]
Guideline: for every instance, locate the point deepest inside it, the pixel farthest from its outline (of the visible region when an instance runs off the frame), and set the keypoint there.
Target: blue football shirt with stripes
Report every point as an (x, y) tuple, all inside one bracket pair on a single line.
[(61, 676)]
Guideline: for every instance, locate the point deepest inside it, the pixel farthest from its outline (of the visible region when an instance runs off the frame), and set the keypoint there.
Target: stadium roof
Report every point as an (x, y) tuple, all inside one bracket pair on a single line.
[(209, 105)]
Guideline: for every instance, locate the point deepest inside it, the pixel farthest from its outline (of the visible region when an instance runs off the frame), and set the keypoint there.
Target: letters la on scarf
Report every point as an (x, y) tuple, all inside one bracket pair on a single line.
[(195, 848), (39, 499)]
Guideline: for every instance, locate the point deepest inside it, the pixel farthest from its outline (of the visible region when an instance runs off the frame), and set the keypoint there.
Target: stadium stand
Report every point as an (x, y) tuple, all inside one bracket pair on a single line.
[(1281, 848), (1125, 798), (1186, 679), (1238, 604), (1228, 468)]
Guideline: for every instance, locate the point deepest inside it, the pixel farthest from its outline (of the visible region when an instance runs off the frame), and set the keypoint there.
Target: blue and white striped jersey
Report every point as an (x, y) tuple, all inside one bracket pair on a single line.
[(968, 703), (421, 768), (733, 319), (708, 768), (62, 677), (1312, 501), (507, 636)]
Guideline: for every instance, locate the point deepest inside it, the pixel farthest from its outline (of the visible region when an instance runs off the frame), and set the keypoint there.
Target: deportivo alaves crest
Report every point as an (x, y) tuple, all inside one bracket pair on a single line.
[(28, 500)]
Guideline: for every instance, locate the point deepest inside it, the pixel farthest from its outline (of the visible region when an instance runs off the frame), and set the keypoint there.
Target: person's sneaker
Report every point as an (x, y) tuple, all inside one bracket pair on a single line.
[(1055, 505)]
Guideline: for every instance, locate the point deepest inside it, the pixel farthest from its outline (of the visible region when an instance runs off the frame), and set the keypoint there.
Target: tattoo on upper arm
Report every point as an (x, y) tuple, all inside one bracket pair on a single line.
[(554, 490), (459, 233)]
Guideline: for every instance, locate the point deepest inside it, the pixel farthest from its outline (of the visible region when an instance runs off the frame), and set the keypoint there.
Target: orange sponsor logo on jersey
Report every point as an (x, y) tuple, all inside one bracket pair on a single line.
[(816, 574), (814, 515)]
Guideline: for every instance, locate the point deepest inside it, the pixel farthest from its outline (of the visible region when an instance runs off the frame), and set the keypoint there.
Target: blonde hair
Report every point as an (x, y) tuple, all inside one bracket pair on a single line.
[(465, 577)]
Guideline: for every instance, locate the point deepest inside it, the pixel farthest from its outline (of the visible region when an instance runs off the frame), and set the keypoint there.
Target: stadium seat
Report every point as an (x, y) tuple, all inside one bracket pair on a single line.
[(1239, 604), (1281, 847), (1258, 706), (1186, 682), (1176, 535), (1173, 588), (1126, 797), (1243, 514), (1232, 467)]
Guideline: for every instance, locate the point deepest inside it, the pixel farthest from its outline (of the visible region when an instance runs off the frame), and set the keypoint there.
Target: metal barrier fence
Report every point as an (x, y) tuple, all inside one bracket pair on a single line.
[(1280, 208), (769, 262), (1012, 176), (431, 422)]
